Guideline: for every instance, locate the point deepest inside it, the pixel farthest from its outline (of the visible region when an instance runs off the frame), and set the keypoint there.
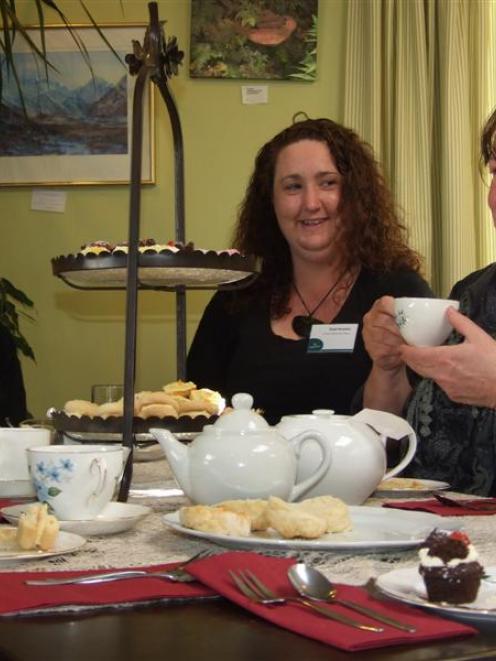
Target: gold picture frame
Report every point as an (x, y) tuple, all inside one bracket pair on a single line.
[(79, 128)]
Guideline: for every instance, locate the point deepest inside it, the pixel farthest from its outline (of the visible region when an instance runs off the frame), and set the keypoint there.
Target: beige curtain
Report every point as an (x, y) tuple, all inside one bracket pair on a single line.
[(419, 83)]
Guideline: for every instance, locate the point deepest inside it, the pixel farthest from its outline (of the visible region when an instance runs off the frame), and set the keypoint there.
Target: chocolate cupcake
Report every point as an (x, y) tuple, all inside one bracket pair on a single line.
[(450, 568)]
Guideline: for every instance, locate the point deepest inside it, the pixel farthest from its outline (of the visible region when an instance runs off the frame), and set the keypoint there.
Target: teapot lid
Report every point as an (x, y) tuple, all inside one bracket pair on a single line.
[(243, 417)]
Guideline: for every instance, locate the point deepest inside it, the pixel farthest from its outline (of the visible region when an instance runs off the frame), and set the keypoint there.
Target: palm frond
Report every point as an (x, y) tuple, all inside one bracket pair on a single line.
[(12, 27)]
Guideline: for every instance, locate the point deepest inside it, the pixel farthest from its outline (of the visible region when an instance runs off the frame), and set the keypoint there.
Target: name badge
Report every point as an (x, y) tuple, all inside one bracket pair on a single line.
[(332, 338)]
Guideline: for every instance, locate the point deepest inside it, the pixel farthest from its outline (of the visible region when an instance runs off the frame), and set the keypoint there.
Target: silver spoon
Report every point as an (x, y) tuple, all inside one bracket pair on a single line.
[(312, 584)]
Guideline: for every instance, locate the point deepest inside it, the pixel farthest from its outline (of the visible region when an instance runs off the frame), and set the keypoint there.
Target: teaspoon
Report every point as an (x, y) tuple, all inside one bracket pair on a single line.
[(312, 584)]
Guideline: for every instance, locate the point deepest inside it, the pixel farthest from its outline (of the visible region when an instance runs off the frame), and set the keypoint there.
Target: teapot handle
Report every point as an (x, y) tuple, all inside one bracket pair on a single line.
[(412, 446), (296, 443)]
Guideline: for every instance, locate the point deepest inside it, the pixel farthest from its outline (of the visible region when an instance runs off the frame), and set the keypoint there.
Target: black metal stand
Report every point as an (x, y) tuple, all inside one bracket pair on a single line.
[(156, 60)]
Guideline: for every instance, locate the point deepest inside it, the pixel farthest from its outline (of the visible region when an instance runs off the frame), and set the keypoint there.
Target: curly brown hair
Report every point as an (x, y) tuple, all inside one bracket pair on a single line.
[(373, 236), (488, 139)]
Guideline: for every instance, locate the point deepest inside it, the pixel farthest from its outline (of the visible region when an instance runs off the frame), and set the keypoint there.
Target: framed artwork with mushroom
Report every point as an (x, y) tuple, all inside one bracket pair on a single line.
[(256, 39)]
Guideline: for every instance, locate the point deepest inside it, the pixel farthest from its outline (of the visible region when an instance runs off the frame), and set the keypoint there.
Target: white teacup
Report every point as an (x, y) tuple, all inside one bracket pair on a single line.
[(76, 481), (14, 442), (423, 321)]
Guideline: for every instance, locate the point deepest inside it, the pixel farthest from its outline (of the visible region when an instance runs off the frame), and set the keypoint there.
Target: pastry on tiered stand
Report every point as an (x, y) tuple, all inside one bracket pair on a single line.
[(178, 405)]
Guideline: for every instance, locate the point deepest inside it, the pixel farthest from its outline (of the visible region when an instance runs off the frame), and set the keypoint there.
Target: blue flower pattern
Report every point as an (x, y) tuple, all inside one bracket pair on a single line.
[(49, 476)]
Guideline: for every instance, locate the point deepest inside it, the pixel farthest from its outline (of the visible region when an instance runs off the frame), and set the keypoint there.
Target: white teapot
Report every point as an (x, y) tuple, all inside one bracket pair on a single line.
[(241, 456), (358, 445)]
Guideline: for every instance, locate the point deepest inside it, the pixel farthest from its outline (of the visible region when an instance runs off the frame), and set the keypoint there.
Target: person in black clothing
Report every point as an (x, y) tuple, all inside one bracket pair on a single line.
[(319, 214), (12, 393)]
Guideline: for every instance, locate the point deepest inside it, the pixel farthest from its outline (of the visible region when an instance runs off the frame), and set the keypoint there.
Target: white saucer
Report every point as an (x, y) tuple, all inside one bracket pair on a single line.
[(17, 489), (67, 542), (115, 517)]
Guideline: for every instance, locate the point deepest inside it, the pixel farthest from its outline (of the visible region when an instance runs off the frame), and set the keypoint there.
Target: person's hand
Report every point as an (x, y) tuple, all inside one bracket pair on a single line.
[(466, 371), (381, 335)]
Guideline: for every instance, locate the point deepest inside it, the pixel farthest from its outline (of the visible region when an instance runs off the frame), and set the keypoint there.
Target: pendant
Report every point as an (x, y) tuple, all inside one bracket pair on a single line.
[(302, 325)]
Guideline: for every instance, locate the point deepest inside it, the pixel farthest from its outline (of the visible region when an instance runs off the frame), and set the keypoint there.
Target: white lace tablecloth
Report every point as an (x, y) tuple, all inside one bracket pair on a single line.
[(152, 542)]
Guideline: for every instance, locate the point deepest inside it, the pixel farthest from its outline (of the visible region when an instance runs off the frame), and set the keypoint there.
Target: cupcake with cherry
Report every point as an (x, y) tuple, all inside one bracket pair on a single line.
[(450, 567)]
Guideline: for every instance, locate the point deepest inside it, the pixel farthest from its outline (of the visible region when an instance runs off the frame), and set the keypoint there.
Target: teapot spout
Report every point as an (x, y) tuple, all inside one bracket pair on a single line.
[(177, 455)]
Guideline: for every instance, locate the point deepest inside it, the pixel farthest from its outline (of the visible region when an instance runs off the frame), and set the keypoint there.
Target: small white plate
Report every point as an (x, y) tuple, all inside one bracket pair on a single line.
[(408, 586), (16, 489), (373, 528), (67, 542), (422, 488), (115, 517)]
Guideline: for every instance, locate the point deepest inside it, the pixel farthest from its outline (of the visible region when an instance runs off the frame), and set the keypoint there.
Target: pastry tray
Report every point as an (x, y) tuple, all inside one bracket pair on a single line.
[(195, 269), (183, 425)]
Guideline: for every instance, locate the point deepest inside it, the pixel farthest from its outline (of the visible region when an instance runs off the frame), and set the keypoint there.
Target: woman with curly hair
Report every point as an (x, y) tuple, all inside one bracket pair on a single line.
[(453, 407), (319, 214)]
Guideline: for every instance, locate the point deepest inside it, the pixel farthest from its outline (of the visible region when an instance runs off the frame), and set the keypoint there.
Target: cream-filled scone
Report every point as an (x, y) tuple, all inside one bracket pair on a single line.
[(37, 528), (216, 520), (255, 510), (212, 400)]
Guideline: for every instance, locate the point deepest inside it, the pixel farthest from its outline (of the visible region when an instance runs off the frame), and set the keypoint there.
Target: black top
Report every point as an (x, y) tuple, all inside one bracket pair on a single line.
[(12, 393), (236, 351)]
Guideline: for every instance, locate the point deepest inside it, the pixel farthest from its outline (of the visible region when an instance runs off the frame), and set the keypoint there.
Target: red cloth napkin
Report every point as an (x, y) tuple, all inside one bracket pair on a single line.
[(16, 597), (435, 507), (272, 571)]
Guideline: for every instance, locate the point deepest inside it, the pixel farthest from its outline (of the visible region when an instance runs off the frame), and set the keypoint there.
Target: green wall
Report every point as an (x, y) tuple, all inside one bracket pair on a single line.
[(78, 336)]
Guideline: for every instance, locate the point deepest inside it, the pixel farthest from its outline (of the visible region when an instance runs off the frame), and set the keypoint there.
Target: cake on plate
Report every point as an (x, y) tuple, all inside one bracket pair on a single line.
[(450, 567)]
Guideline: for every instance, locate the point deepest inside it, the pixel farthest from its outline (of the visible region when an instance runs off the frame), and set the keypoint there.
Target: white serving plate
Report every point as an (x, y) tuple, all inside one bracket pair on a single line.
[(424, 488), (374, 528), (115, 517)]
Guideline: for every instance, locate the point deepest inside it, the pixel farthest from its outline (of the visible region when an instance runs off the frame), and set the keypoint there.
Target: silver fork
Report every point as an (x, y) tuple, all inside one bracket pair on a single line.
[(253, 588), (177, 575)]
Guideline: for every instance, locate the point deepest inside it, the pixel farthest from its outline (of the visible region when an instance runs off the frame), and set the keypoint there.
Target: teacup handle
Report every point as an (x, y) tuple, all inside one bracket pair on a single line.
[(297, 442), (412, 446), (99, 466)]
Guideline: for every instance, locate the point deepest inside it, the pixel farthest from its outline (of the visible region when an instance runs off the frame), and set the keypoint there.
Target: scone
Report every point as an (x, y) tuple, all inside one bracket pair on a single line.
[(111, 409), (291, 521), (81, 407), (211, 400), (37, 529), (332, 510), (255, 510), (158, 410), (183, 388), (186, 405), (146, 397), (215, 520), (8, 537)]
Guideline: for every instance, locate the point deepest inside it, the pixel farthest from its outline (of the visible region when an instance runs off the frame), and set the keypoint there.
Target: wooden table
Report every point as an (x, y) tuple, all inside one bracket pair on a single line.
[(214, 630)]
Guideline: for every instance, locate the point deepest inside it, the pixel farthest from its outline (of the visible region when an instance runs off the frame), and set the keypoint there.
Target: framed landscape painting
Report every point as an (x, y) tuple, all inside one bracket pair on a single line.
[(258, 39), (78, 125)]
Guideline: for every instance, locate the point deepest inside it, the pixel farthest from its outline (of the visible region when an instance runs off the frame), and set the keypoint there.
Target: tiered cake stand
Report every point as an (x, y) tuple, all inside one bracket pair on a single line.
[(156, 60)]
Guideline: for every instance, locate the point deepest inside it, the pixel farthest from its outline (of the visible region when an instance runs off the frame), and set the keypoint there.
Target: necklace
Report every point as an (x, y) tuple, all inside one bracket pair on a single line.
[(302, 324)]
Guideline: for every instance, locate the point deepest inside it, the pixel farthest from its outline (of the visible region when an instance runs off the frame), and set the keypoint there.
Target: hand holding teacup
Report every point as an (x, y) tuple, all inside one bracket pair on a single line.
[(423, 322), (465, 371)]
